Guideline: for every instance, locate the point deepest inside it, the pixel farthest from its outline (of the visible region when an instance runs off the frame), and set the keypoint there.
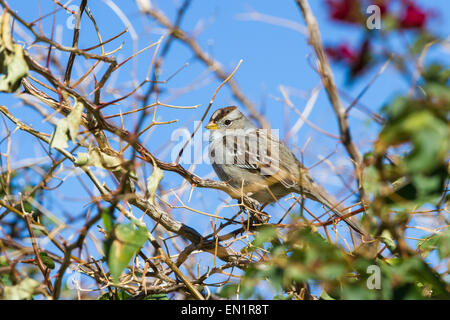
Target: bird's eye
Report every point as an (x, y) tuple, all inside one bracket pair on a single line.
[(227, 122)]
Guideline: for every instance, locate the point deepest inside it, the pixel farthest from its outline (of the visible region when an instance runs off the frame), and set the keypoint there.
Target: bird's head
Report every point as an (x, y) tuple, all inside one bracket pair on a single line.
[(228, 118)]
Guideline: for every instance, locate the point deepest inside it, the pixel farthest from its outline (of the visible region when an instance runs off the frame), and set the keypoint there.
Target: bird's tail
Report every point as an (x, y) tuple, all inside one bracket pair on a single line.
[(317, 193)]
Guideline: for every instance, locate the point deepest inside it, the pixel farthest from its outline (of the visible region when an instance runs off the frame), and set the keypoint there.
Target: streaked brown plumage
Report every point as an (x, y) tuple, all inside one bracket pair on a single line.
[(253, 160)]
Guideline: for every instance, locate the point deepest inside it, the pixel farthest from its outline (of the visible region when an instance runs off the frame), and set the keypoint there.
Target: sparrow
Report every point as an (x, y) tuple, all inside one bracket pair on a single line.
[(258, 163)]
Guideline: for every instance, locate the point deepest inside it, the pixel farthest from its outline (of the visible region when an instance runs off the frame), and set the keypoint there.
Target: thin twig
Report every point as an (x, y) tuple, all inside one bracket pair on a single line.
[(332, 92)]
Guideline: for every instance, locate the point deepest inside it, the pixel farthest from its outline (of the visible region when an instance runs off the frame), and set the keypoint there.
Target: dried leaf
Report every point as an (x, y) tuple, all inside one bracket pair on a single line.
[(67, 128), (14, 68), (74, 119), (59, 136), (23, 290), (5, 27), (12, 62), (153, 182), (96, 158)]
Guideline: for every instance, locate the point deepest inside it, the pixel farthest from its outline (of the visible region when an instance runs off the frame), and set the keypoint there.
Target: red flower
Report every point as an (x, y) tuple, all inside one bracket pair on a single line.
[(413, 17), (383, 5), (342, 53), (345, 10), (383, 8), (357, 61)]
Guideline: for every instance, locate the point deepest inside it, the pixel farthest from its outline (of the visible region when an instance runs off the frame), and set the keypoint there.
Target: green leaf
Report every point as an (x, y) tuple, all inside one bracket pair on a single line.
[(436, 73), (396, 109), (390, 22), (265, 234), (429, 136), (228, 290), (439, 241), (426, 184), (5, 278), (332, 270), (49, 263), (159, 296), (128, 239), (358, 292), (371, 179), (325, 296), (407, 276), (283, 297), (423, 39), (421, 127), (107, 218), (123, 295), (386, 238), (441, 91), (104, 296), (120, 295)]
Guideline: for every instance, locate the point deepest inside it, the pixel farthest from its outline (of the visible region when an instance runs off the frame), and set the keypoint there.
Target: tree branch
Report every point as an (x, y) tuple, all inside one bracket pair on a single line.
[(328, 82)]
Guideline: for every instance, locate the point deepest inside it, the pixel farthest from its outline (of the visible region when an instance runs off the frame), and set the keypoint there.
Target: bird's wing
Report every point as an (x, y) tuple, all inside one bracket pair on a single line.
[(261, 152)]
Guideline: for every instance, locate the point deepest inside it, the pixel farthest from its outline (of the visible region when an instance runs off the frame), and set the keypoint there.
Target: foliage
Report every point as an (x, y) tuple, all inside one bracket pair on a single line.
[(12, 63), (407, 169), (135, 237), (305, 255), (127, 240)]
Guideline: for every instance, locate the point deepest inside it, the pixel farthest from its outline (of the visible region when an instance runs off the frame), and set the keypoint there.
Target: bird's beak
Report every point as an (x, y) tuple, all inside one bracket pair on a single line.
[(211, 126)]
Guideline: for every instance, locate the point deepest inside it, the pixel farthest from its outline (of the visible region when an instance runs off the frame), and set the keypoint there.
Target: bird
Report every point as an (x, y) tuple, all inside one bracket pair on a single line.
[(255, 161)]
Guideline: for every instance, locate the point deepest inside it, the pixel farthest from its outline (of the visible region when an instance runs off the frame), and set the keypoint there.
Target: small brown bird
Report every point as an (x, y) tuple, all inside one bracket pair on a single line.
[(253, 160)]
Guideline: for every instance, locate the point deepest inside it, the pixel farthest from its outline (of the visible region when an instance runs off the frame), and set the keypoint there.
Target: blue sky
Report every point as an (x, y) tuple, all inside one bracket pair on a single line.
[(273, 56)]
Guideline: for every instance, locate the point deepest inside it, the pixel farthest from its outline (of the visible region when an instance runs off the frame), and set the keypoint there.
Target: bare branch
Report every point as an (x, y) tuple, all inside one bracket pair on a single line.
[(328, 82)]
